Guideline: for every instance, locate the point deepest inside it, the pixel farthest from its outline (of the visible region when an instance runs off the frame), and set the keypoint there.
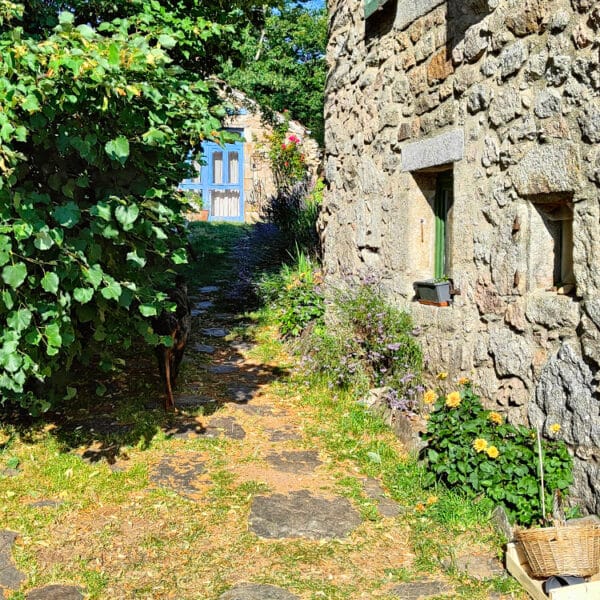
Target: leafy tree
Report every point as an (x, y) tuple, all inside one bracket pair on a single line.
[(284, 67), (96, 120)]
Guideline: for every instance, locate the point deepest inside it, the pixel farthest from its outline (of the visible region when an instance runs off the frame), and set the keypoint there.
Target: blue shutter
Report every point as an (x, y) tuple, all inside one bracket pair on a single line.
[(372, 6)]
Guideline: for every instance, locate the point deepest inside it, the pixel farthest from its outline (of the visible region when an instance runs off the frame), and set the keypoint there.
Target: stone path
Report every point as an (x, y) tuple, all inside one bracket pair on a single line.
[(303, 503), (233, 425)]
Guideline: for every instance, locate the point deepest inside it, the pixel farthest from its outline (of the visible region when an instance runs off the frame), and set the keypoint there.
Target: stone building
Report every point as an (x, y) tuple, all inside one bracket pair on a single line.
[(236, 180), (463, 139)]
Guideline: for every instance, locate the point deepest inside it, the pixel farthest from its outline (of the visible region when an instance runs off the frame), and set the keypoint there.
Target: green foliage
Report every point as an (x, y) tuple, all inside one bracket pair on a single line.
[(95, 126), (367, 344), (294, 295), (474, 450), (283, 66)]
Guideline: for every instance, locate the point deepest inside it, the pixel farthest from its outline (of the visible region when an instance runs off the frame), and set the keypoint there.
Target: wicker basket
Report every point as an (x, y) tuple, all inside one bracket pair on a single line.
[(569, 550)]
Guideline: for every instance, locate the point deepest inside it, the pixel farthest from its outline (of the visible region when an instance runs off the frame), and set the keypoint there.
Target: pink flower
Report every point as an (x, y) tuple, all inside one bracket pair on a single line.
[(293, 139)]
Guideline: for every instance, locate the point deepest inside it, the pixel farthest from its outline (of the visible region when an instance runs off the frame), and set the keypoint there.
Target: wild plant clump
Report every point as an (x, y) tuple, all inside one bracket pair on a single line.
[(368, 344), (294, 295), (295, 211), (477, 451)]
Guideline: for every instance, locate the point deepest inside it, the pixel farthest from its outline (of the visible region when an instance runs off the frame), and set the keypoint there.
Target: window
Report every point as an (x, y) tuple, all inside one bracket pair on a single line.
[(442, 209), (372, 6), (551, 244)]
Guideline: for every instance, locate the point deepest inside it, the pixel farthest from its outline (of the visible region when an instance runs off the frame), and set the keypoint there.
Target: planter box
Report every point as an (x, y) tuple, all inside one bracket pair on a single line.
[(434, 292), (517, 566)]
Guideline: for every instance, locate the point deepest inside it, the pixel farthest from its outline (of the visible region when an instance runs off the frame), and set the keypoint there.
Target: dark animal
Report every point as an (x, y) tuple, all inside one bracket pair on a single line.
[(177, 325)]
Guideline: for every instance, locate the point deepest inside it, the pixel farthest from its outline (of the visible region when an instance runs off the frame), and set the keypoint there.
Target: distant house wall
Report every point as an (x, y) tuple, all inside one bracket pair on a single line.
[(503, 98), (256, 173)]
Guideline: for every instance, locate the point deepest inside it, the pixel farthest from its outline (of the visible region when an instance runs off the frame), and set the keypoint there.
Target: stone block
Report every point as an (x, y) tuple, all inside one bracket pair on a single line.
[(547, 103), (528, 17), (410, 10), (512, 58), (440, 67), (512, 353), (546, 169), (440, 150), (479, 98), (589, 122)]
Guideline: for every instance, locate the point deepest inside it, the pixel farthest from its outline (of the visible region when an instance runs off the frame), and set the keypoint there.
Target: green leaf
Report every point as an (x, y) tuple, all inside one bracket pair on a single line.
[(134, 257), (148, 310), (30, 104), (19, 320), (112, 291), (67, 215), (5, 249), (179, 256), (114, 54), (102, 210), (52, 332), (14, 275), (93, 275), (118, 149), (13, 462), (86, 31), (166, 41), (127, 215), (50, 282), (43, 240), (83, 295), (66, 18)]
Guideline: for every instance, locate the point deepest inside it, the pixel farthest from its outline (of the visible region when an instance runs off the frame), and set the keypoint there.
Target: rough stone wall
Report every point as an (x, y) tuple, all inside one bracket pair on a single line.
[(505, 94)]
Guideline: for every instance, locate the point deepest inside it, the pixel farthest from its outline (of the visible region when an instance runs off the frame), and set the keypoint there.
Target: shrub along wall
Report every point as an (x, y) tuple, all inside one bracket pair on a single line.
[(94, 129)]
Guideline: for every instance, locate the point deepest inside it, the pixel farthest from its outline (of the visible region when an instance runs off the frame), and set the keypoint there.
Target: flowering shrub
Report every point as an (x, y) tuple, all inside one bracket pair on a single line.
[(476, 450), (286, 156), (369, 344)]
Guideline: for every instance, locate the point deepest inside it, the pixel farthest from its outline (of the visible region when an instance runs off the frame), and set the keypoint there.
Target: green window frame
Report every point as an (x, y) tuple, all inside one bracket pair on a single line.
[(372, 6), (444, 196)]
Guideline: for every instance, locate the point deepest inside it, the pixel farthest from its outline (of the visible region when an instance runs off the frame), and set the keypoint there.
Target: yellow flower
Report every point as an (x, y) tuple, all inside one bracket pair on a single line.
[(493, 452), (420, 507), (426, 417), (429, 397), (495, 418), (453, 399), (443, 375), (432, 500), (480, 445), (555, 428), (464, 381)]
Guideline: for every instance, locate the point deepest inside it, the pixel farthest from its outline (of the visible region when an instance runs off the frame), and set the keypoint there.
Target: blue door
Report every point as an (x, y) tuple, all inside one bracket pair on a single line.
[(220, 182)]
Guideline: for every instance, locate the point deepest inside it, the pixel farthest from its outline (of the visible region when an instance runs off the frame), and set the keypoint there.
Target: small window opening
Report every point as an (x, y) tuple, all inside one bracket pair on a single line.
[(551, 246), (380, 16), (442, 208)]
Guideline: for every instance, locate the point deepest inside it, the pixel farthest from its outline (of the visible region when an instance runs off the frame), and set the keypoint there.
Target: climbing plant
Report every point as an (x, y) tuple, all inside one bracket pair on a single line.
[(95, 125)]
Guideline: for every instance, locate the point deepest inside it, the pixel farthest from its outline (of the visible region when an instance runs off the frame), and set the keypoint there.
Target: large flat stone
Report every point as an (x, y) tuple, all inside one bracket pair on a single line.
[(439, 150), (225, 426), (296, 461), (302, 515), (55, 592), (181, 473), (547, 169), (216, 332), (420, 590), (410, 10), (10, 576), (251, 591)]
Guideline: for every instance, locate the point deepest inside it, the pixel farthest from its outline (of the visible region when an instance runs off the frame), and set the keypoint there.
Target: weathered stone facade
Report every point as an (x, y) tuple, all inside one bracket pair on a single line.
[(503, 97)]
